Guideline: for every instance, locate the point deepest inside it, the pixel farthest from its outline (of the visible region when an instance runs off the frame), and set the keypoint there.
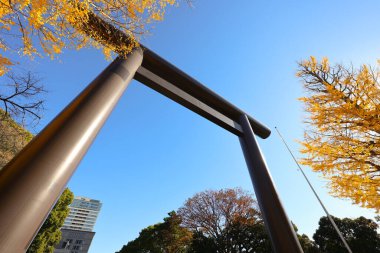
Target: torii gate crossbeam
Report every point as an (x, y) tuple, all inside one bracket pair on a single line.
[(33, 181)]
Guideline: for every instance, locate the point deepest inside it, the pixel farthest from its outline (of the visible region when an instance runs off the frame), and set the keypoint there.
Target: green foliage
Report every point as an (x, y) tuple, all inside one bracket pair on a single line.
[(307, 245), (240, 229), (241, 237), (360, 234), (202, 244), (50, 234), (222, 221), (165, 237)]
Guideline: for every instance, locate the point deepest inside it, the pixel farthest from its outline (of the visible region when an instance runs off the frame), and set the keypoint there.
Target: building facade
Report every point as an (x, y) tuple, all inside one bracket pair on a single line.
[(74, 241), (83, 214), (77, 230)]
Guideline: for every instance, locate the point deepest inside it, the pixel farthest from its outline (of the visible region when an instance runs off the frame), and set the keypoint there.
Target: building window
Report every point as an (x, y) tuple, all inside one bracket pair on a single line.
[(66, 244)]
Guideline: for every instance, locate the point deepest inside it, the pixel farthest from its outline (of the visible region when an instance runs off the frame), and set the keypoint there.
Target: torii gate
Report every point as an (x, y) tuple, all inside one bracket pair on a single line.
[(34, 180)]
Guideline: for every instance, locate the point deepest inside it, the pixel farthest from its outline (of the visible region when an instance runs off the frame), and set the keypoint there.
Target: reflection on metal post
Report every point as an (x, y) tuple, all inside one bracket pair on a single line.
[(281, 232), (33, 181)]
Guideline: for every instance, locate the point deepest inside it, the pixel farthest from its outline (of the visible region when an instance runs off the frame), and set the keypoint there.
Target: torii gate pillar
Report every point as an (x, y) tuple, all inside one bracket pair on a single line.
[(33, 181)]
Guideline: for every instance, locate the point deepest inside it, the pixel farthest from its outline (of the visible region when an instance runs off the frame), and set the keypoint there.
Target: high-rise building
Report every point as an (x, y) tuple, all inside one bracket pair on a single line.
[(77, 231), (83, 214)]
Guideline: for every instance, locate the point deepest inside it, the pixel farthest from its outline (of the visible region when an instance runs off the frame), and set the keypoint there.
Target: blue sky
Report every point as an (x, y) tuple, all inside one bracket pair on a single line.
[(153, 154)]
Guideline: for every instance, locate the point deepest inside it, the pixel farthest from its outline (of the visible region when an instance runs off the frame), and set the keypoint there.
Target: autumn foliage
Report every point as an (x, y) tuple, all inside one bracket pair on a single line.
[(343, 138), (211, 212), (45, 27), (13, 138)]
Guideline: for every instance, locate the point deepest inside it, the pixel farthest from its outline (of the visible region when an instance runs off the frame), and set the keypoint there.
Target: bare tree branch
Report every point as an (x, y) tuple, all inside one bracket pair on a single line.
[(21, 97)]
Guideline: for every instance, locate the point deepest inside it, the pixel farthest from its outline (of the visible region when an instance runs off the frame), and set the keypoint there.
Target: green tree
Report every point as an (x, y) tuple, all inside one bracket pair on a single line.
[(50, 234), (202, 244), (360, 234), (224, 221), (240, 237), (165, 237), (307, 245)]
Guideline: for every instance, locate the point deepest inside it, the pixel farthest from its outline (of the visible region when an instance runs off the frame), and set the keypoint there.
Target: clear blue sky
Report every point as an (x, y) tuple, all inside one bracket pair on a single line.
[(152, 154)]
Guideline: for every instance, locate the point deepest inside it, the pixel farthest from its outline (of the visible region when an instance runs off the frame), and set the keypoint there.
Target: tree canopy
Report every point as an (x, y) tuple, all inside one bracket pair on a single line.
[(360, 234), (223, 221), (212, 211), (228, 221), (165, 237), (343, 137), (35, 28)]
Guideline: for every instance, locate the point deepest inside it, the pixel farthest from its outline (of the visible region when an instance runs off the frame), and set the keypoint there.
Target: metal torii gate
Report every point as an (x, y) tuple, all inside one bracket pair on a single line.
[(33, 181)]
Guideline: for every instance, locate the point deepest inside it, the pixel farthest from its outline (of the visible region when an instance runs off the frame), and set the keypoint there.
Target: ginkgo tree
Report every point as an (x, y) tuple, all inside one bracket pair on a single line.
[(35, 28), (343, 137), (45, 27)]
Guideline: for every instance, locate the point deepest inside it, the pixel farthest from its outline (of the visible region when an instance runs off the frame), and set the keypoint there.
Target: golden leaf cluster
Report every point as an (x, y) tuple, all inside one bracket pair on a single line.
[(343, 137), (45, 27)]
